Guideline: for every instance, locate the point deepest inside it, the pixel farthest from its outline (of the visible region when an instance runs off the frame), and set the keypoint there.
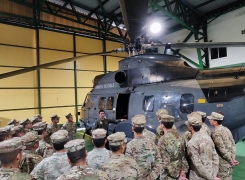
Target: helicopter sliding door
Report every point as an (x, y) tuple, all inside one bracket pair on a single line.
[(122, 106)]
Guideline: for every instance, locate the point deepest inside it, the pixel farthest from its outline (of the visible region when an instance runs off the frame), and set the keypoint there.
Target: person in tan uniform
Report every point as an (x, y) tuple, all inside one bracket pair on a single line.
[(70, 126), (160, 132), (201, 150), (18, 131), (52, 128), (225, 146), (150, 135)]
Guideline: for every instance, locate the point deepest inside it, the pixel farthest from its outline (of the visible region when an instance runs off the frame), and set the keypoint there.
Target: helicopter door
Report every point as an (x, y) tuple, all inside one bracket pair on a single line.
[(110, 105), (122, 106)]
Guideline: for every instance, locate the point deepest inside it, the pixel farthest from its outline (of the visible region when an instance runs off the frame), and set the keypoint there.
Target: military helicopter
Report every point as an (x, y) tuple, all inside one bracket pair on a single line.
[(146, 82)]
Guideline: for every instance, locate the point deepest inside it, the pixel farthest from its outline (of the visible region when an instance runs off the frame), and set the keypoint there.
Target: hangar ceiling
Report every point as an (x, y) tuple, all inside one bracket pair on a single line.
[(175, 14)]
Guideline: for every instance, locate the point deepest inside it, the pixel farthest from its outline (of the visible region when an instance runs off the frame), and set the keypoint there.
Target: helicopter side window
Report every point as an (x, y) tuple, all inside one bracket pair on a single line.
[(148, 103), (187, 103), (102, 103), (110, 102)]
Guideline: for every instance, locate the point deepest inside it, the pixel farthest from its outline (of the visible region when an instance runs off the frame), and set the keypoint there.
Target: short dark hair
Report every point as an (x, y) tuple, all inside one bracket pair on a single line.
[(40, 131), (203, 119), (59, 146), (99, 142), (101, 111), (196, 128), (7, 158), (139, 130), (3, 137), (168, 125), (219, 121), (114, 148), (75, 156)]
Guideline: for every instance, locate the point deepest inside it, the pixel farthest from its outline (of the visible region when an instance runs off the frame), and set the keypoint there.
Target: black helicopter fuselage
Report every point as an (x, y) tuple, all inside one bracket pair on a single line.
[(145, 83)]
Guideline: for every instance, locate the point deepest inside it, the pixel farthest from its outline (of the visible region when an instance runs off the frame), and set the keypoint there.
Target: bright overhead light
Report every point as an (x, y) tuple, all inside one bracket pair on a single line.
[(155, 27)]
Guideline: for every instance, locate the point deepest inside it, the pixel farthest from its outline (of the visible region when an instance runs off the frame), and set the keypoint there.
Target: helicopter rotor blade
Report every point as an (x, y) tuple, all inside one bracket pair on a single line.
[(33, 68), (134, 16), (202, 45)]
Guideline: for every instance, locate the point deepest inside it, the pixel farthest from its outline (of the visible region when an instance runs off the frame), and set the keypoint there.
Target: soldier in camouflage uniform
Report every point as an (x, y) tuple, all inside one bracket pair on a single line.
[(34, 120), (76, 153), (52, 128), (70, 126), (201, 150), (119, 166), (52, 167), (150, 135), (30, 158), (18, 131), (99, 154), (225, 146), (40, 118), (172, 150), (144, 151), (44, 149), (160, 132), (10, 156), (14, 122), (26, 123), (204, 128)]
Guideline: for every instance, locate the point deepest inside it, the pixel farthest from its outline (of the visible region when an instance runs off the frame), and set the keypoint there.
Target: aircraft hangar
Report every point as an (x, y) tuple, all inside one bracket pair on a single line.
[(38, 32)]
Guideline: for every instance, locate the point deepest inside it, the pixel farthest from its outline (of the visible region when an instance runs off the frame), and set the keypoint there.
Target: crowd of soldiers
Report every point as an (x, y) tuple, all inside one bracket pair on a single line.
[(35, 150)]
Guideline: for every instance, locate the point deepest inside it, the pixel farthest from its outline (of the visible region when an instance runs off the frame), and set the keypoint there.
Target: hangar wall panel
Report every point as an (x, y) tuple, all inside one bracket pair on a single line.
[(226, 28), (82, 92), (112, 63), (85, 78), (88, 45), (93, 63), (110, 45)]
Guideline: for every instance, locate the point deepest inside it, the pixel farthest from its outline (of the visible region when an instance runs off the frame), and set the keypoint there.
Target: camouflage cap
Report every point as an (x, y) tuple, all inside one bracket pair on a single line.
[(167, 118), (216, 116), (139, 120), (18, 128), (203, 114), (59, 136), (75, 145), (68, 115), (12, 121), (39, 126), (25, 121), (39, 116), (117, 138), (193, 121), (55, 116), (30, 138), (99, 133), (161, 112), (11, 145), (6, 130), (195, 114), (34, 119)]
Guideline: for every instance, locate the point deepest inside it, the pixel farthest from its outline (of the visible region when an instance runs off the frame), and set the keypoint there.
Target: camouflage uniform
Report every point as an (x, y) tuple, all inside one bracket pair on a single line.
[(71, 128), (34, 120), (201, 150), (98, 156), (10, 146), (24, 123), (150, 135), (82, 171), (14, 122), (144, 152), (44, 149), (225, 146), (119, 166), (52, 167), (50, 130), (30, 158), (172, 150)]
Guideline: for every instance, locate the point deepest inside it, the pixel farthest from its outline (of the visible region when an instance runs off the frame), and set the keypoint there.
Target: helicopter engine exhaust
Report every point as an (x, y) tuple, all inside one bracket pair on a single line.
[(120, 77)]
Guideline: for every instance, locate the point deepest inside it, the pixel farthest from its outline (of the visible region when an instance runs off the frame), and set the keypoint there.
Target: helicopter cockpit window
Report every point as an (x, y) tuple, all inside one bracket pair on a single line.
[(187, 103), (102, 103), (110, 102), (148, 103)]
